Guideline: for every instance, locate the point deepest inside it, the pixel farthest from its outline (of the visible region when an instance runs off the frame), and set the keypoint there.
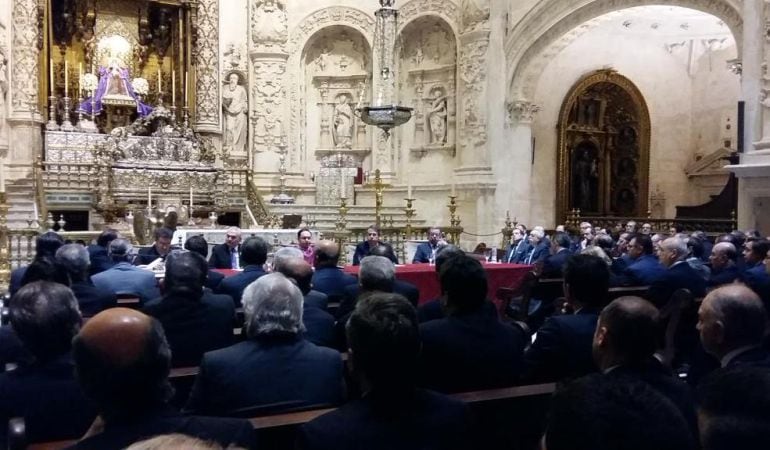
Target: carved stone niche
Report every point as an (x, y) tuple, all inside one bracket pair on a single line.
[(335, 179), (341, 131)]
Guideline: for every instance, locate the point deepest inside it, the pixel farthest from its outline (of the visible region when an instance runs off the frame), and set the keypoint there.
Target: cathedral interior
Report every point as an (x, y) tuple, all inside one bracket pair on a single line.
[(472, 115)]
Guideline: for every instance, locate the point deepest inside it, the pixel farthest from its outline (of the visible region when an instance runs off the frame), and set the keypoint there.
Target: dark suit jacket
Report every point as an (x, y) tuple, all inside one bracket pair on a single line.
[(553, 264), (11, 348), (423, 253), (316, 299), (537, 253), (220, 257), (755, 357), (562, 348), (724, 276), (432, 310), (123, 278), (759, 281), (91, 299), (423, 420), (234, 285), (362, 251), (678, 276), (404, 288), (319, 326), (49, 398), (470, 352), (100, 260), (644, 271), (194, 327), (517, 251), (332, 282), (16, 275), (164, 420), (287, 373), (213, 278), (146, 255)]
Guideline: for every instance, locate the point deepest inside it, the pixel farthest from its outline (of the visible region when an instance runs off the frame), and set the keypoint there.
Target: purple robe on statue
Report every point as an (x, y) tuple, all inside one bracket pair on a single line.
[(114, 84)]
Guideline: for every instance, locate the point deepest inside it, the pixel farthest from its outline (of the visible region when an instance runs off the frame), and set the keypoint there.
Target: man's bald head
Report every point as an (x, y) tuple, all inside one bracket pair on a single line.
[(730, 317), (327, 254), (722, 254), (299, 271), (626, 332), (672, 250), (118, 335)]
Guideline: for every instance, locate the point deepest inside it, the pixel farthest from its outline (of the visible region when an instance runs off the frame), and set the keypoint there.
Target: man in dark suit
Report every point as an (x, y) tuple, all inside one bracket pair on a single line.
[(624, 346), (199, 245), (44, 392), (372, 240), (45, 248), (724, 270), (196, 321), (125, 278), (470, 349), (285, 256), (100, 259), (518, 249), (643, 268), (433, 309), (319, 324), (159, 249), (276, 368), (426, 252), (554, 263), (122, 362), (562, 347), (672, 254), (731, 322), (328, 278), (755, 275), (91, 300), (227, 255), (392, 413), (253, 256), (539, 247)]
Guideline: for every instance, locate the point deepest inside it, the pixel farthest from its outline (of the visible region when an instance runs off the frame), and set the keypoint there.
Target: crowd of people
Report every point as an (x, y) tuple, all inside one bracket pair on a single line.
[(313, 336)]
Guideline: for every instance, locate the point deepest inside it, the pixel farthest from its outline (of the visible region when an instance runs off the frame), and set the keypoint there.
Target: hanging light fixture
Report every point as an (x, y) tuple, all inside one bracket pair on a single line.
[(382, 115)]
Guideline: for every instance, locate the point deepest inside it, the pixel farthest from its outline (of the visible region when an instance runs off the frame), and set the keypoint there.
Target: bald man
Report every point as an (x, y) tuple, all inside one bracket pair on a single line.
[(328, 278), (122, 362), (731, 322), (672, 254), (319, 324), (724, 270)]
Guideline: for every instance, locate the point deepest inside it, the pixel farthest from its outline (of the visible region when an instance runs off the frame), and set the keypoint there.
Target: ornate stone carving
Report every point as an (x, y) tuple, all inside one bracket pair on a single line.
[(446, 9), (473, 62), (335, 15), (206, 62), (475, 15), (268, 25), (235, 104), (522, 111), (268, 106), (235, 58), (24, 78), (3, 85)]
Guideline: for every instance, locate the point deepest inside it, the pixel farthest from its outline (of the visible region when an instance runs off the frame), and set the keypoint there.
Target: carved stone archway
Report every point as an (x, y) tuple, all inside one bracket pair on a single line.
[(603, 148)]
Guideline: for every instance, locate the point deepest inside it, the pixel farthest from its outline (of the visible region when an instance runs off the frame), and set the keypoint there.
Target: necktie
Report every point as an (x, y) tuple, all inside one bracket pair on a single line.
[(529, 257), (234, 258)]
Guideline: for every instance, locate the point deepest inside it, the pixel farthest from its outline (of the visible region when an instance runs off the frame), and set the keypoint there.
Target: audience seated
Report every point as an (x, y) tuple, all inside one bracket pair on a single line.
[(45, 269), (44, 392), (123, 278), (695, 258), (176, 441), (45, 248), (74, 259), (328, 278), (562, 347), (228, 254), (122, 362), (364, 248), (643, 267), (404, 288), (724, 269), (672, 254), (625, 343), (98, 252), (392, 413), (319, 324), (519, 248), (755, 275), (159, 248), (470, 349), (554, 262), (426, 251), (731, 322), (199, 245), (539, 247), (433, 309), (311, 297), (253, 257), (195, 320), (614, 413), (275, 369), (734, 409)]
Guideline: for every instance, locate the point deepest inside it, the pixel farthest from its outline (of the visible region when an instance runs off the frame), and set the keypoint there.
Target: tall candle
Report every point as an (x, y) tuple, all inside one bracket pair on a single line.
[(191, 192), (34, 210), (2, 177), (185, 88), (66, 77), (343, 193), (50, 76), (409, 190), (173, 88), (149, 196), (160, 83), (80, 78), (453, 189)]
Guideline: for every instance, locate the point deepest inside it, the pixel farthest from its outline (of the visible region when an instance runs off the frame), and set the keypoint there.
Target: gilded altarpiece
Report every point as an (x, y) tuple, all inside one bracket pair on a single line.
[(603, 148)]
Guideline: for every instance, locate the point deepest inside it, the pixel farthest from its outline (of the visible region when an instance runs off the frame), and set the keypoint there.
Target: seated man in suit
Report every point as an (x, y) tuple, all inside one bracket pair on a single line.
[(199, 245), (518, 249), (644, 267), (624, 345), (195, 320), (122, 362), (470, 349), (755, 275), (275, 368), (91, 300), (45, 248), (433, 309), (672, 254), (100, 259), (311, 297), (695, 257), (328, 278), (605, 413), (372, 241), (553, 263), (426, 252), (305, 244), (227, 255), (539, 247), (562, 346), (319, 324), (124, 278), (724, 270), (392, 412), (253, 256), (45, 393), (731, 322), (159, 249)]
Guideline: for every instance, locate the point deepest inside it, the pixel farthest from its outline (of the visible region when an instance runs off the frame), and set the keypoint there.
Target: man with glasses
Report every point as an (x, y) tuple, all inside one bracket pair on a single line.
[(518, 249), (226, 256), (426, 252), (372, 241), (643, 268)]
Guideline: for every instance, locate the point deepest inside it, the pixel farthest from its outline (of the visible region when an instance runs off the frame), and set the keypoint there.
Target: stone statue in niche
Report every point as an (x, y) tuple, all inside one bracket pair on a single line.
[(270, 21), (235, 103), (585, 178), (437, 116), (342, 131)]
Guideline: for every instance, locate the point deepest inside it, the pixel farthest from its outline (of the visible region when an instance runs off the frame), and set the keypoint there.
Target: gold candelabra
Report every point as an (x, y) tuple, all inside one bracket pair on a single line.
[(379, 187), (507, 230), (454, 220), (409, 212)]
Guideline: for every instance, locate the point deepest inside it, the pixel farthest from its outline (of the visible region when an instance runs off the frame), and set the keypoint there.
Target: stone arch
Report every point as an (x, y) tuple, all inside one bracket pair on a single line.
[(553, 24), (446, 10)]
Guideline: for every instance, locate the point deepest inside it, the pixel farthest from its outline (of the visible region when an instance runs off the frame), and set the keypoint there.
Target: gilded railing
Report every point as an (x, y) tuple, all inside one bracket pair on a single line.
[(710, 226)]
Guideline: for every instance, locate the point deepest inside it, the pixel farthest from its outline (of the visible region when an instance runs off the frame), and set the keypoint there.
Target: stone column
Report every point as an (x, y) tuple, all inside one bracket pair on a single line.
[(208, 110), (384, 92), (24, 119), (514, 179), (755, 89)]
